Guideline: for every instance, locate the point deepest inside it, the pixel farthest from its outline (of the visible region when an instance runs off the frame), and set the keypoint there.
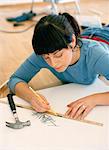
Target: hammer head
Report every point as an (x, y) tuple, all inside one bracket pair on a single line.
[(18, 124)]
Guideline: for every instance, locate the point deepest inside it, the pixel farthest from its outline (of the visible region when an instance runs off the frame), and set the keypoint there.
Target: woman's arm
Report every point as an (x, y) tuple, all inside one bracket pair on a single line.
[(23, 91), (102, 98), (98, 63), (18, 82), (79, 109)]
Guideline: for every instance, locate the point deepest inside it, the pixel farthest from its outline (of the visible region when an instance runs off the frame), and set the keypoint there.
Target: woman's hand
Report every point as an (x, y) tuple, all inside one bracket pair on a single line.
[(40, 104), (79, 109)]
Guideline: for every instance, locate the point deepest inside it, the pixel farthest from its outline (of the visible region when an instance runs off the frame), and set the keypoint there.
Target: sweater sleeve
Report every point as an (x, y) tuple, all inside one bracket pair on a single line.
[(99, 60), (102, 66), (25, 72)]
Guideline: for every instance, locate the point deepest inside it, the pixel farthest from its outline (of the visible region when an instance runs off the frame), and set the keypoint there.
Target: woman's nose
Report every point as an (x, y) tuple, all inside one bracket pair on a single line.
[(53, 62)]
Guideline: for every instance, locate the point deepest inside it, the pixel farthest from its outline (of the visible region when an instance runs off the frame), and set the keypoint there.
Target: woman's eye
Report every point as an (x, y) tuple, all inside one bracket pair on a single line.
[(58, 55), (45, 57)]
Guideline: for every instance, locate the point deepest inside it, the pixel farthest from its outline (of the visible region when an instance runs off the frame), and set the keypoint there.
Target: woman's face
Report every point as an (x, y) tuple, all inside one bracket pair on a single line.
[(60, 59)]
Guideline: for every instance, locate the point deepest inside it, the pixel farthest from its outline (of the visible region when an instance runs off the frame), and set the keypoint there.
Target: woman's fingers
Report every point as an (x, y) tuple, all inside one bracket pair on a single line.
[(69, 105), (74, 103), (43, 105), (80, 111), (72, 111), (40, 106), (81, 107), (43, 98), (68, 111), (85, 113)]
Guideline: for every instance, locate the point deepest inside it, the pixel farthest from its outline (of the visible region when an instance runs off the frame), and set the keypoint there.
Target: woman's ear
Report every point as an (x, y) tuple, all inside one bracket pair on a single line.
[(73, 41)]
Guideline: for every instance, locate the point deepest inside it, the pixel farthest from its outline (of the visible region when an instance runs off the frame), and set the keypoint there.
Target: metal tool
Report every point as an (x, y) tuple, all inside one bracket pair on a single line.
[(45, 118), (57, 114), (18, 124)]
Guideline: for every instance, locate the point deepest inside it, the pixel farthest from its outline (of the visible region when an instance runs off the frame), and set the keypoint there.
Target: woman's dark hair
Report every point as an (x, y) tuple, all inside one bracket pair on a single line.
[(73, 23), (54, 32)]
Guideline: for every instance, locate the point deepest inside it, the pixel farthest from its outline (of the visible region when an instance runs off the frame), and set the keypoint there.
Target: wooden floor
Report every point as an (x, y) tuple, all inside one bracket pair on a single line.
[(16, 47)]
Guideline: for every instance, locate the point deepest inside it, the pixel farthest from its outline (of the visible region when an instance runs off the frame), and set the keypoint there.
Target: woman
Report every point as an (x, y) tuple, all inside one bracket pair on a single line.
[(57, 46)]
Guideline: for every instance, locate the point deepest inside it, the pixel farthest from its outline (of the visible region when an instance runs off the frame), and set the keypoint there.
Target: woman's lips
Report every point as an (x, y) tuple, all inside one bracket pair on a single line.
[(58, 67)]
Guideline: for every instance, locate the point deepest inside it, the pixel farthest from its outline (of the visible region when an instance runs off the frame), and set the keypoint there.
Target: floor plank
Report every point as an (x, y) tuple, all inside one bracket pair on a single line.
[(16, 47)]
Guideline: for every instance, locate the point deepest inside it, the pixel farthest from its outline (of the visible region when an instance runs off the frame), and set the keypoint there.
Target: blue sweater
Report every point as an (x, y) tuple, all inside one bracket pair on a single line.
[(94, 61)]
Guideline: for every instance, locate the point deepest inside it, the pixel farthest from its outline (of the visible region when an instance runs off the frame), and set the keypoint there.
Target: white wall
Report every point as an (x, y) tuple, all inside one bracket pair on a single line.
[(5, 2)]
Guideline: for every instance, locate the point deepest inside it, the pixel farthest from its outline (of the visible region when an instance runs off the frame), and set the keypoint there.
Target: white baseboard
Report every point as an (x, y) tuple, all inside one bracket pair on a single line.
[(9, 2)]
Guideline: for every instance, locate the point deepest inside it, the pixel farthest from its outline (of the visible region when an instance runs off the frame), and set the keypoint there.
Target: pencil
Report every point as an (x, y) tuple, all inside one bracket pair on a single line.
[(50, 111)]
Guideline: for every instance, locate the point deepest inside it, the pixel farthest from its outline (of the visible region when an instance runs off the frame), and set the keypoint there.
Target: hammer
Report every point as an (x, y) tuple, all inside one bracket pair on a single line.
[(18, 124)]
